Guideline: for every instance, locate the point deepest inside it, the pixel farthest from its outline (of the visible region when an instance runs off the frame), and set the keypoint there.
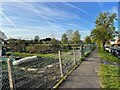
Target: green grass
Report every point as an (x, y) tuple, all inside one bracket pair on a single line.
[(110, 76), (107, 56), (22, 55)]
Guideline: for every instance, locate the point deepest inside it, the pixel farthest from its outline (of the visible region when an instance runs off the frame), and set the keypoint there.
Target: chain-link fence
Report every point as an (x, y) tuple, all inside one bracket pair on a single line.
[(70, 59), (4, 79), (36, 74), (87, 49), (39, 72)]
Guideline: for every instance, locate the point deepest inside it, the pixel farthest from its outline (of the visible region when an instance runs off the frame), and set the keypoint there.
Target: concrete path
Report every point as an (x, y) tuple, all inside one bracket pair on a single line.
[(85, 76)]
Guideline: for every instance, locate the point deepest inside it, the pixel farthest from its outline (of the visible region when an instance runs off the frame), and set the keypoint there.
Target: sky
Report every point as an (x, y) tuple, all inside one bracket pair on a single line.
[(25, 20)]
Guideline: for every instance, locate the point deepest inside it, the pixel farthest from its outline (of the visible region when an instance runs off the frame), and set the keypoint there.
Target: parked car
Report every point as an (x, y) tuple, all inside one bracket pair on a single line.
[(118, 53), (113, 51), (107, 48)]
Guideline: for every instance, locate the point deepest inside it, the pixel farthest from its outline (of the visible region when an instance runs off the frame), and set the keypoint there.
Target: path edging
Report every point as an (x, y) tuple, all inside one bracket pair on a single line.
[(64, 77)]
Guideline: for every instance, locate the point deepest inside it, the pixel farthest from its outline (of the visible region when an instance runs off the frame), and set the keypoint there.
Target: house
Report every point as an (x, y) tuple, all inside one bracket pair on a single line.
[(115, 41)]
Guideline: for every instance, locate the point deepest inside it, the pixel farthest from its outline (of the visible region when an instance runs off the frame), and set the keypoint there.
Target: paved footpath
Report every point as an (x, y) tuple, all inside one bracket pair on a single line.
[(85, 76)]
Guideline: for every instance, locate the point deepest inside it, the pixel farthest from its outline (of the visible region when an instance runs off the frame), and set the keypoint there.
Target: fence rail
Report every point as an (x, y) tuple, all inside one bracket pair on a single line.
[(41, 72)]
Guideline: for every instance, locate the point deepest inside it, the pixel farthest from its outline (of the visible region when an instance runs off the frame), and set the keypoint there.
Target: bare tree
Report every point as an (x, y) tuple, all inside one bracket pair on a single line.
[(69, 35)]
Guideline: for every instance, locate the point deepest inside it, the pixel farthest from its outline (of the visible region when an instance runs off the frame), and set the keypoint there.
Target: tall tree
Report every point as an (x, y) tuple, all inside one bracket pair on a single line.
[(54, 44), (76, 37), (117, 33), (104, 28), (64, 39), (87, 39)]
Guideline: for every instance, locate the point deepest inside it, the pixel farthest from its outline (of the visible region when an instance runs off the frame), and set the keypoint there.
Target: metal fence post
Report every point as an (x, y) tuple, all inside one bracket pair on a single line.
[(88, 47), (74, 56), (60, 61), (9, 64), (45, 77), (81, 51)]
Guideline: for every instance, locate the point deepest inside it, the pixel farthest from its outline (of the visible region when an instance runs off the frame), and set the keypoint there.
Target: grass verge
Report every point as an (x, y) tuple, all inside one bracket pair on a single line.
[(110, 76), (107, 56)]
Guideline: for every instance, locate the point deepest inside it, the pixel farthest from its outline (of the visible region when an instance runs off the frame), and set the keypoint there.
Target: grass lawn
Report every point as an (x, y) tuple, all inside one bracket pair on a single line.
[(107, 56), (110, 76)]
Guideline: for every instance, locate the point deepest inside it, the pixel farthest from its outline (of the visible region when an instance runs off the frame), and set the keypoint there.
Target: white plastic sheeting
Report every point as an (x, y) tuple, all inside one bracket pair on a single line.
[(24, 60)]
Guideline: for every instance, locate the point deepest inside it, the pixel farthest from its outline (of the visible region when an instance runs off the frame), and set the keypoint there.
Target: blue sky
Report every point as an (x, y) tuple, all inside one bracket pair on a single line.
[(51, 19)]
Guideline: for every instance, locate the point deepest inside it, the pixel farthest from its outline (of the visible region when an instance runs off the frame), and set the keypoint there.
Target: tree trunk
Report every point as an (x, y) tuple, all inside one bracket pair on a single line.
[(103, 45)]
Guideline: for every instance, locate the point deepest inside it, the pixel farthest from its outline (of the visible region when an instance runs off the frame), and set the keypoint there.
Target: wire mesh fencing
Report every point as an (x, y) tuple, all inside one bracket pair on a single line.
[(87, 49), (70, 59), (4, 79), (39, 72)]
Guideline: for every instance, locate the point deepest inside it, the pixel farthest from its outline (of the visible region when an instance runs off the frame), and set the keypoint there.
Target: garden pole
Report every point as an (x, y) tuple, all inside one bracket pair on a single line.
[(9, 64), (74, 56), (81, 51), (60, 61)]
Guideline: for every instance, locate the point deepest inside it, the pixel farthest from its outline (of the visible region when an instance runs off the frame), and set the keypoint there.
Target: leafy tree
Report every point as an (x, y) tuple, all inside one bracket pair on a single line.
[(54, 44), (11, 44), (64, 39), (117, 33), (76, 37), (104, 28), (20, 45), (87, 39)]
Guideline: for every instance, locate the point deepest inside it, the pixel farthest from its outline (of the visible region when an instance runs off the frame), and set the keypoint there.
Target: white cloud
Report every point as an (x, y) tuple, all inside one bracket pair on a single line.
[(7, 19), (114, 10), (100, 4), (46, 14), (73, 6), (43, 10)]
